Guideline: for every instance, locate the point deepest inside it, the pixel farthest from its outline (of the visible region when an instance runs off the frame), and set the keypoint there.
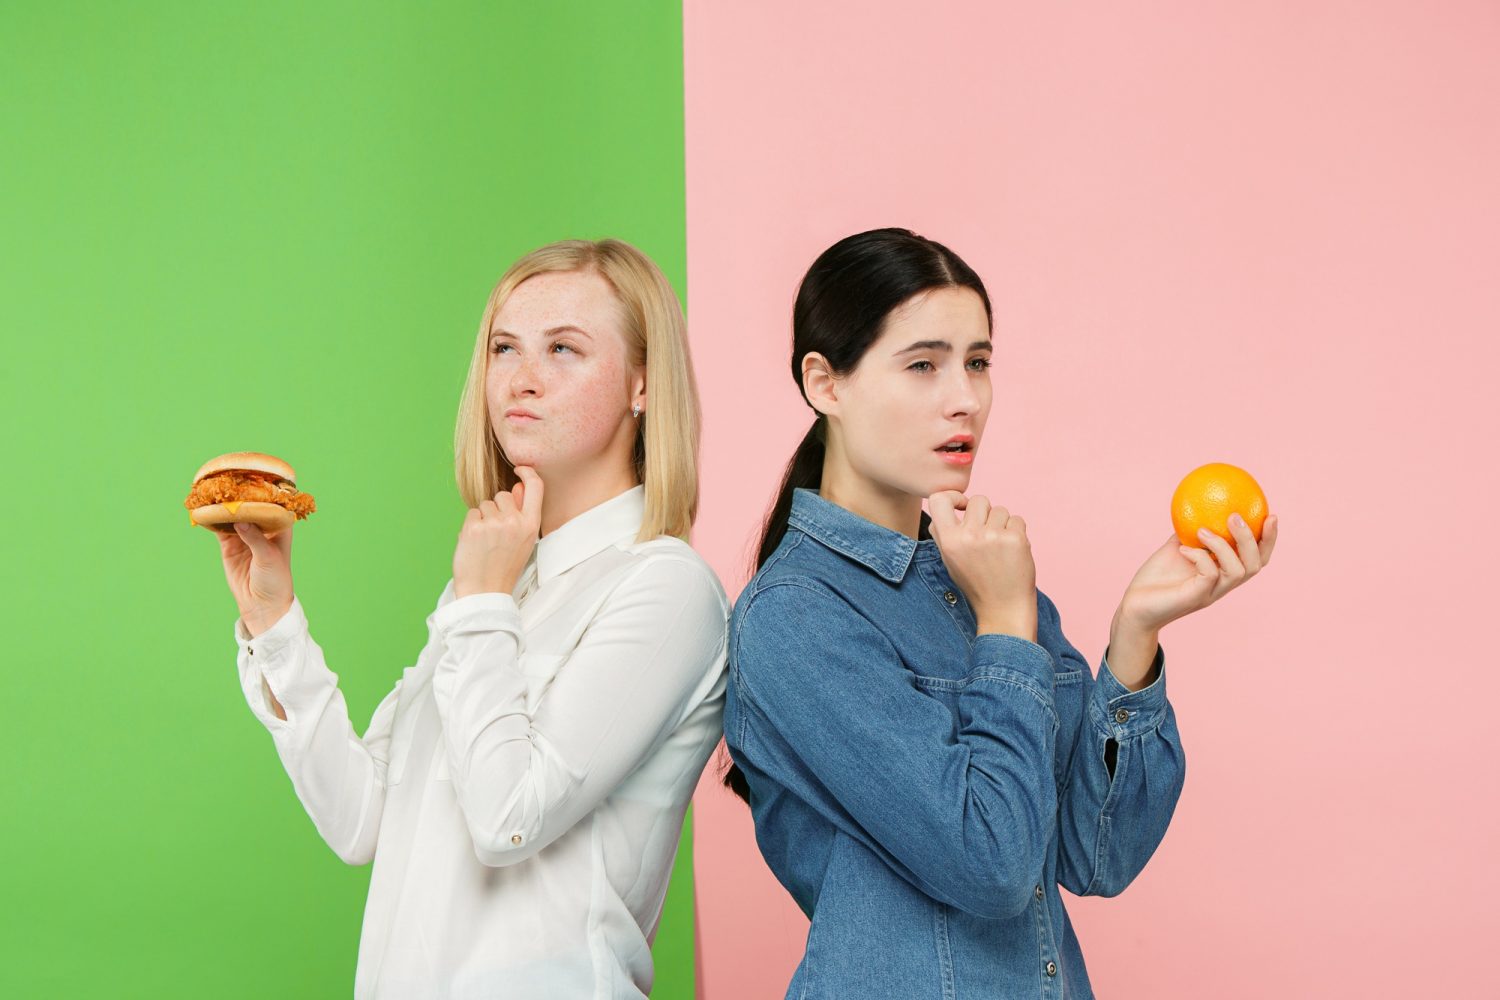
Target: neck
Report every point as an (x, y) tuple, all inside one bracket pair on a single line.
[(569, 492), (893, 509)]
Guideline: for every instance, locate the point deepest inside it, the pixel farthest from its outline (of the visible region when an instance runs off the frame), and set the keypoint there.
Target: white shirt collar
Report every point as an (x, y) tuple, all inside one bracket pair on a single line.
[(615, 521)]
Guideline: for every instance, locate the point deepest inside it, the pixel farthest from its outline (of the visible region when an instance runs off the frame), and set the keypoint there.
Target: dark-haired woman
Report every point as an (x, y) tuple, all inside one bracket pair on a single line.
[(926, 756)]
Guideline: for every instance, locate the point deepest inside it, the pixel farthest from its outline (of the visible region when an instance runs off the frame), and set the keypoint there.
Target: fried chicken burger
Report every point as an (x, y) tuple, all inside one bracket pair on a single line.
[(247, 486)]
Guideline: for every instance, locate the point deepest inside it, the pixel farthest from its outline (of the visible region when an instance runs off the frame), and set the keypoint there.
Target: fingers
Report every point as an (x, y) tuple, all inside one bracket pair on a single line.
[(1229, 562), (260, 547), (283, 542), (1247, 549), (942, 506), (1201, 559), (978, 511), (230, 543), (1268, 539), (530, 498)]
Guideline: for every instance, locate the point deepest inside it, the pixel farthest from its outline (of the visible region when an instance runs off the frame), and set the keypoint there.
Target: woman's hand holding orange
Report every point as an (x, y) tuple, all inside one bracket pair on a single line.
[(497, 538), (989, 556), (1178, 580)]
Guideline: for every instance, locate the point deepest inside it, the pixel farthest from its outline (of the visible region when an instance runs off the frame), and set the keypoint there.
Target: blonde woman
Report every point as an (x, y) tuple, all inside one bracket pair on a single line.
[(522, 788)]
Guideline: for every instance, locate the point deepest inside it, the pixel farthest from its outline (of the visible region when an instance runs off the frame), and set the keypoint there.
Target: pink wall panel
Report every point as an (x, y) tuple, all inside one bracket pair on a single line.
[(1256, 233)]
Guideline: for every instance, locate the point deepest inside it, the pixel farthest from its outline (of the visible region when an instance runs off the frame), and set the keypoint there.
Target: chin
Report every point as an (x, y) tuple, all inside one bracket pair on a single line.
[(523, 456), (955, 480)]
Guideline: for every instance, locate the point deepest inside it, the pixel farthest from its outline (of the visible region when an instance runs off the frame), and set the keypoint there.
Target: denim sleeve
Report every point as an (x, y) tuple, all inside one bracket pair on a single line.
[(964, 816), (1111, 823)]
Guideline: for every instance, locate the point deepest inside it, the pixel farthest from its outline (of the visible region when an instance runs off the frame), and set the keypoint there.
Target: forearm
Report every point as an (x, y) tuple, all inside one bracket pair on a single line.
[(1131, 652), (336, 776)]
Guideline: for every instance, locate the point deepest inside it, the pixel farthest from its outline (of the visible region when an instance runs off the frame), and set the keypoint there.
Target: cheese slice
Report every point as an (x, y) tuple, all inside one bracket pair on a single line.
[(233, 506)]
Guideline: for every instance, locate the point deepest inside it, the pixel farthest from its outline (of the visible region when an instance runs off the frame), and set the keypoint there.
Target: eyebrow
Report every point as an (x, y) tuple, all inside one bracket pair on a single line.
[(943, 345), (550, 332)]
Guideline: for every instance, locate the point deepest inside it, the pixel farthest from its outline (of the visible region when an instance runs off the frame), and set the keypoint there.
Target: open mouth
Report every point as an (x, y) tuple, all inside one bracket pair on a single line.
[(957, 447)]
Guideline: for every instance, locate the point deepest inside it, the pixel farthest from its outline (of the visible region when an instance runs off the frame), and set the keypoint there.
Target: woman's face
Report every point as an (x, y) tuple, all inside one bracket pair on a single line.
[(923, 385), (559, 386)]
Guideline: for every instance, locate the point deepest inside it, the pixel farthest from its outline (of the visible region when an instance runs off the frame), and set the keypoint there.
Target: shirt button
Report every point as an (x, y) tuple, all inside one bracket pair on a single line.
[(250, 649), (951, 597), (1051, 968), (1039, 893), (1122, 715), (515, 838)]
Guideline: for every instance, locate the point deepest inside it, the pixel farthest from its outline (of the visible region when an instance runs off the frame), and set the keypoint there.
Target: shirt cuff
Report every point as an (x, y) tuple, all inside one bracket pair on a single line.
[(485, 612), (999, 651), (1125, 714), (274, 640)]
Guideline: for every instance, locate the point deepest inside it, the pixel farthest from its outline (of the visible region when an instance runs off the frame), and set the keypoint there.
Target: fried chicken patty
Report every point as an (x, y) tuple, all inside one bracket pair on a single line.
[(243, 486)]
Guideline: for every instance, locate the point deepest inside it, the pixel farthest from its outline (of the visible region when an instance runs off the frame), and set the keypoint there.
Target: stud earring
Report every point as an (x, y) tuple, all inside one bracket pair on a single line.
[(635, 411)]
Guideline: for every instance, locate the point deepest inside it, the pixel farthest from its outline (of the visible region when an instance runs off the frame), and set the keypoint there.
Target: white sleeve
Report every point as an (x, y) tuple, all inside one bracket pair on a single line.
[(339, 777), (653, 652)]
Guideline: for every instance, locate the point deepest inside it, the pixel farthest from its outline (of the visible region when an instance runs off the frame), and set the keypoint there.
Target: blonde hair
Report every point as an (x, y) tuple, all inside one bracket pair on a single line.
[(666, 443)]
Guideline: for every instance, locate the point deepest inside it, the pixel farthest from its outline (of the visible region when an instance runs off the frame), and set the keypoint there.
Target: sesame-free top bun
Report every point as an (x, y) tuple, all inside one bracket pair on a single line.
[(248, 461), (270, 516)]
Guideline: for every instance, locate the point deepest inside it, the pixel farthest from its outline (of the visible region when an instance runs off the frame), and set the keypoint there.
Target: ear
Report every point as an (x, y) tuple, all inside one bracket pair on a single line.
[(819, 383), (638, 388)]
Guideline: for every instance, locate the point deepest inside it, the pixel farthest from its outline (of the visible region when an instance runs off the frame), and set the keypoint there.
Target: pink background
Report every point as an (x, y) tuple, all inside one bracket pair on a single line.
[(1256, 233)]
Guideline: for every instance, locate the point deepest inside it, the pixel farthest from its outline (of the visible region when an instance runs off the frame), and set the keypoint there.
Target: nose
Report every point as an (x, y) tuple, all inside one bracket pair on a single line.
[(525, 379), (962, 397)]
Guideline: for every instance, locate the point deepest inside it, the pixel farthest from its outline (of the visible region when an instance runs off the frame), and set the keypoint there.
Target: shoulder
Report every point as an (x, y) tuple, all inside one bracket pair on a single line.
[(782, 604), (673, 564)]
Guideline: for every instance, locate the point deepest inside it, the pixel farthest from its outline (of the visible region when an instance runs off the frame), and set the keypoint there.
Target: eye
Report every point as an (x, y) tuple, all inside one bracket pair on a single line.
[(567, 347), (499, 346), (920, 366), (979, 364)]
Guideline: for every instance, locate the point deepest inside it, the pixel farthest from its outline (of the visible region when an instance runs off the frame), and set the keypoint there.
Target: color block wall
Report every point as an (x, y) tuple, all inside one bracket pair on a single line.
[(1263, 234)]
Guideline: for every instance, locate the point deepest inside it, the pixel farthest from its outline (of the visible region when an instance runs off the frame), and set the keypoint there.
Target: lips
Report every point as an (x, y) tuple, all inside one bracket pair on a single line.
[(957, 450), (957, 444), (517, 414)]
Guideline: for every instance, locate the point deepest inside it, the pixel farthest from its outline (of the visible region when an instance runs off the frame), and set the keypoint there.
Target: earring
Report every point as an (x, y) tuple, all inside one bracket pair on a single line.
[(635, 411)]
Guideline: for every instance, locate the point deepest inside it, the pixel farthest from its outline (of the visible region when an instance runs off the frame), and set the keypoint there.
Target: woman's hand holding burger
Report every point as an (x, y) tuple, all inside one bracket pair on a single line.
[(497, 538), (259, 570)]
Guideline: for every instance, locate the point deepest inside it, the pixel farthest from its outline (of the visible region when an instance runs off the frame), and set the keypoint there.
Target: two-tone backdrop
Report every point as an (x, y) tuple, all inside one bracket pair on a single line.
[(1260, 234)]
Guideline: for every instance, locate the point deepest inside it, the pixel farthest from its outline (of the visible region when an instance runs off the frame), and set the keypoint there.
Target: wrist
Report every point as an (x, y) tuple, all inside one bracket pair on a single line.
[(258, 622), (1017, 625), (1132, 652)]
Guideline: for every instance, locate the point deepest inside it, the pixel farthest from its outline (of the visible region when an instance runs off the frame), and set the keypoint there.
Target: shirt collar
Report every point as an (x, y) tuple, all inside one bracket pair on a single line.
[(615, 521), (886, 552)]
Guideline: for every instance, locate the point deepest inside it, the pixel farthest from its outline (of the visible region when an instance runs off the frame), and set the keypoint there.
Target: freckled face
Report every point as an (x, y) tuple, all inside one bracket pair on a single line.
[(924, 384), (557, 384)]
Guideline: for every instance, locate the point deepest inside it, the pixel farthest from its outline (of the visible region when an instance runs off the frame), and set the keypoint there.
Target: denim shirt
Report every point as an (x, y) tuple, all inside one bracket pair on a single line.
[(922, 792)]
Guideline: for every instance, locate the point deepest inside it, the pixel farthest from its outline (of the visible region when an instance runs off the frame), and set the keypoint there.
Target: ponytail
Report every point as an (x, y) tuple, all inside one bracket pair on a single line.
[(804, 471)]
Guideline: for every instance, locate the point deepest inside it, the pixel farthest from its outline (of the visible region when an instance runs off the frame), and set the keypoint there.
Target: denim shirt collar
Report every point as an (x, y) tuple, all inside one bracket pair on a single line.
[(887, 553)]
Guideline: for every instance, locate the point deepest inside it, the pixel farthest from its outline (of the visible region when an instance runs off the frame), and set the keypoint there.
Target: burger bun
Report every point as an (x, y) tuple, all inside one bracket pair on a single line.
[(247, 461), (271, 517)]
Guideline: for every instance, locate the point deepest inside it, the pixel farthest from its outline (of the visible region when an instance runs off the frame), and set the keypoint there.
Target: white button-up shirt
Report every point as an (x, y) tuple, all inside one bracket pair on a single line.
[(522, 789)]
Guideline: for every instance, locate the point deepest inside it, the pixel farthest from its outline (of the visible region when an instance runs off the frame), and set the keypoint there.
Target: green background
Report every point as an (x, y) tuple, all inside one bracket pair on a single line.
[(273, 228)]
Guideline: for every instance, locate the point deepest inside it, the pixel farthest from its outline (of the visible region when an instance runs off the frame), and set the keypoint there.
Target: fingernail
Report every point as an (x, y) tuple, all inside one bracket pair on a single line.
[(1205, 534), (1236, 520)]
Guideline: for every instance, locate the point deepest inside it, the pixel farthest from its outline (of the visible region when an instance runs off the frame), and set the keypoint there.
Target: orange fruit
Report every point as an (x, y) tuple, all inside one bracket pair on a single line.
[(1208, 495)]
